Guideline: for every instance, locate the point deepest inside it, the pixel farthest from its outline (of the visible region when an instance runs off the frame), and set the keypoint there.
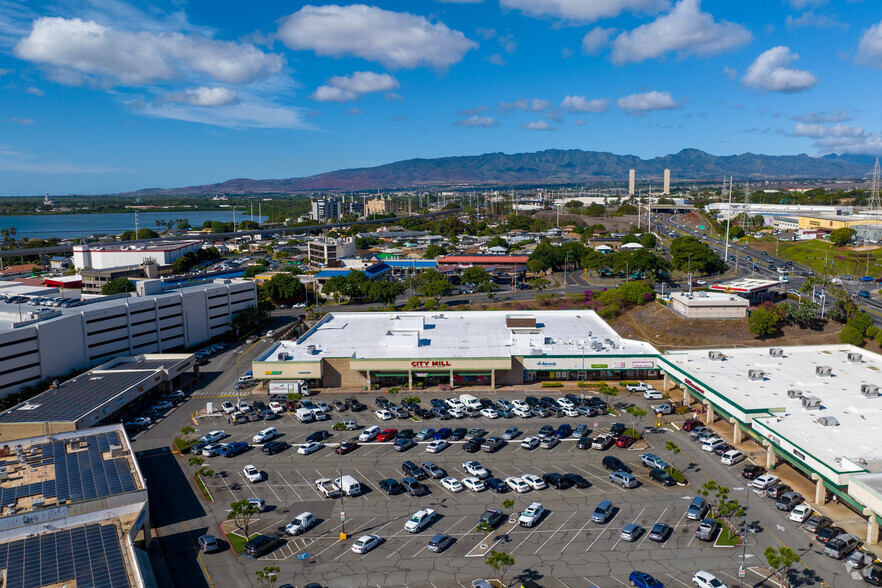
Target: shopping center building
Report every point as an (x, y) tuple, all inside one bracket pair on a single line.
[(489, 348)]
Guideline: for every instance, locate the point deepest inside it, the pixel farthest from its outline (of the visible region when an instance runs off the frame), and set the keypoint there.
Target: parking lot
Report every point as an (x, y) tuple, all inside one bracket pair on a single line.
[(564, 548)]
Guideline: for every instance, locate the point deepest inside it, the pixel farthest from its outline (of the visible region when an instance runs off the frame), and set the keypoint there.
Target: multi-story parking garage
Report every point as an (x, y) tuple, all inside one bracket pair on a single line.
[(357, 350)]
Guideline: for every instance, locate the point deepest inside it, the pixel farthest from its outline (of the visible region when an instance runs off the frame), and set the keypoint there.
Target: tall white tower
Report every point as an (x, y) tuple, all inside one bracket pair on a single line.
[(667, 191), (632, 177)]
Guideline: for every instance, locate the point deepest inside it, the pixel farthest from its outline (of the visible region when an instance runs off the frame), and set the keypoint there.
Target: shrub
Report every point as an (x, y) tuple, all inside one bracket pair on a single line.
[(871, 332), (633, 433), (682, 409), (393, 390), (184, 445), (860, 322), (552, 384), (675, 473), (851, 336)]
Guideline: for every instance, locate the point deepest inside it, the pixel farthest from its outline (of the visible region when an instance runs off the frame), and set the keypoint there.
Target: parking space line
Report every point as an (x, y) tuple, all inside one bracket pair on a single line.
[(558, 529), (576, 535), (613, 548), (314, 489), (605, 527), (678, 580), (294, 490), (646, 534), (274, 493)]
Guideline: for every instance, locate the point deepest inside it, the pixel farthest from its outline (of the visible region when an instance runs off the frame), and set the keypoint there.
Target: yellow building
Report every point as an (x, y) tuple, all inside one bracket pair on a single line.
[(831, 223), (377, 206)]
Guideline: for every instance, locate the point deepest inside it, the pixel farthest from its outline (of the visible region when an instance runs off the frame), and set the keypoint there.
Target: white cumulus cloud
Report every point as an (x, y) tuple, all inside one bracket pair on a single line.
[(817, 131), (203, 96), (647, 101), (596, 39), (78, 50), (770, 72), (823, 116), (582, 104), (584, 10), (531, 105), (351, 87), (394, 39), (539, 125), (685, 30), (870, 47), (477, 121)]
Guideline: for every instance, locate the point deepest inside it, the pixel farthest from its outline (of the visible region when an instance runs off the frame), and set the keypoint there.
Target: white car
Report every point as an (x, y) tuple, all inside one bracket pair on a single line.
[(383, 415), (475, 469), (365, 543), (243, 406), (732, 457), (570, 412), (522, 412), (565, 403), (764, 481), (212, 449), (652, 394), (712, 443), (517, 484), (801, 513), (270, 333), (252, 474), (452, 484), (474, 484), (437, 446), (707, 580), (162, 405), (267, 434), (534, 481), (213, 436), (520, 404), (276, 407), (531, 515), (490, 413), (309, 448), (369, 434), (228, 407), (530, 443), (455, 403)]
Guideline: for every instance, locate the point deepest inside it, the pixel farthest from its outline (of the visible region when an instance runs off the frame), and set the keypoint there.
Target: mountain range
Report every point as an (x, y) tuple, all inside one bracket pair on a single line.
[(553, 166)]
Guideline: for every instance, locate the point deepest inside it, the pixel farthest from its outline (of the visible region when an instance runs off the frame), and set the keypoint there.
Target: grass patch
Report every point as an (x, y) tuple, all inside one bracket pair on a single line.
[(205, 493), (552, 384), (726, 538), (633, 433), (237, 541), (675, 473), (184, 445), (839, 261)]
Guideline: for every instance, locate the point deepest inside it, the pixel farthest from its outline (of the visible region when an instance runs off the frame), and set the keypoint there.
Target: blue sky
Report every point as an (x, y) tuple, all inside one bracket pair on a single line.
[(102, 96)]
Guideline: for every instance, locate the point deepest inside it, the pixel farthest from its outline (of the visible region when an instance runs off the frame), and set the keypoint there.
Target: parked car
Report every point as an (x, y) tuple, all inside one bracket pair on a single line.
[(751, 472), (631, 532), (613, 463), (816, 522), (365, 543), (602, 512), (274, 447), (623, 479), (530, 443), (697, 508), (662, 477), (439, 543), (660, 532), (703, 579), (707, 530), (577, 480), (346, 447), (390, 486), (492, 517)]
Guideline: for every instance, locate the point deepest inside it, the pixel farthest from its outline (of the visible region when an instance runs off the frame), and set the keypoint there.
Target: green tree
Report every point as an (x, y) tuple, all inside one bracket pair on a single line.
[(637, 415), (500, 561), (507, 504), (648, 240), (626, 209), (284, 289), (413, 303), (781, 559), (763, 323), (253, 270), (268, 576), (539, 284), (607, 390), (187, 429), (860, 322), (147, 234), (183, 224), (843, 236), (249, 225), (536, 266), (385, 291), (340, 426), (196, 462), (630, 238), (574, 204), (673, 449), (241, 512), (806, 313), (851, 336), (433, 251), (432, 284), (475, 275), (117, 286), (690, 254), (720, 502), (736, 232), (879, 337)]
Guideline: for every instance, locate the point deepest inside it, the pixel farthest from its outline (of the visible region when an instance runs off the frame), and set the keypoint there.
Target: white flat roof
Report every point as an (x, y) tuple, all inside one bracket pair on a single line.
[(709, 299), (745, 285), (858, 436), (480, 334)]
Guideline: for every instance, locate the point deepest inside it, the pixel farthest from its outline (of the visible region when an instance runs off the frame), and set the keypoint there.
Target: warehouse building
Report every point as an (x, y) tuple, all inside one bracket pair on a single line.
[(104, 256), (489, 348), (104, 395), (61, 340), (74, 513), (709, 305), (817, 408)]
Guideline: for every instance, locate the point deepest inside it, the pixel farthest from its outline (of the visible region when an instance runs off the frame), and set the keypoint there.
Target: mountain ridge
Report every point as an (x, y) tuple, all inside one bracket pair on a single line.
[(550, 166)]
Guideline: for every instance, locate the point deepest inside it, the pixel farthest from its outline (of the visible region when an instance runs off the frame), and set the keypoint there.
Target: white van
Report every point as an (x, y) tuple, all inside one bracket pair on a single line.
[(304, 415), (732, 457), (348, 485), (470, 401)]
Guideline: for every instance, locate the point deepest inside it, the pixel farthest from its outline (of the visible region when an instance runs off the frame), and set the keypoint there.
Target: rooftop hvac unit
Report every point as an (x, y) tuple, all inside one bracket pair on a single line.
[(715, 355), (702, 294), (811, 403), (823, 371), (794, 394), (756, 375), (310, 349), (776, 352), (596, 345), (869, 390), (827, 421), (284, 357), (854, 358)]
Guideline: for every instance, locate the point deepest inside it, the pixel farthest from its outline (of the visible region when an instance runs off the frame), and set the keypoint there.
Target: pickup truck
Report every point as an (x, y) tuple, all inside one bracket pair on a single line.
[(420, 520), (638, 387), (327, 487)]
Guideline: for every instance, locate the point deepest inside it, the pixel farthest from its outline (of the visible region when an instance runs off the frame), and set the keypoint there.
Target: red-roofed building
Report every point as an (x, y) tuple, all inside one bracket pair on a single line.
[(497, 261)]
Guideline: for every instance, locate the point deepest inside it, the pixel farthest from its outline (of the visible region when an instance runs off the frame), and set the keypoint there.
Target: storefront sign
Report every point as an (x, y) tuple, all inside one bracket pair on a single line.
[(547, 363), (436, 363), (618, 365), (269, 373), (693, 385), (599, 365), (421, 374), (642, 364)]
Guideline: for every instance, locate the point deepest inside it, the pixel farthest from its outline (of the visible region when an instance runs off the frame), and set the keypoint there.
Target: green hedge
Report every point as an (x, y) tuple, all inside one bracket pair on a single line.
[(633, 433), (552, 384), (675, 473), (184, 445)]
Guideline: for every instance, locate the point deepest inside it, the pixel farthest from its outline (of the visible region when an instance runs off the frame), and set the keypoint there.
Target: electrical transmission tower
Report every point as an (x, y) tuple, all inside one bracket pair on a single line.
[(874, 204)]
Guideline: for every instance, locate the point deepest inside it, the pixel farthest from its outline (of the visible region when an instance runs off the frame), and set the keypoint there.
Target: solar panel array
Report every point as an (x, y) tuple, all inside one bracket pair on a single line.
[(79, 476), (90, 554)]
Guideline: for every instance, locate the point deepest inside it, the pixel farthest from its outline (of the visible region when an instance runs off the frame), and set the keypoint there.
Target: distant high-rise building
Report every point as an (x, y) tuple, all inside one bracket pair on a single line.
[(377, 206), (632, 179), (325, 209), (667, 182)]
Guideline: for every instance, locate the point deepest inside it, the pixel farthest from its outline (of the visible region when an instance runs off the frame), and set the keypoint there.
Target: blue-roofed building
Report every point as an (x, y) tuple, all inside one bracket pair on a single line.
[(419, 264), (372, 271)]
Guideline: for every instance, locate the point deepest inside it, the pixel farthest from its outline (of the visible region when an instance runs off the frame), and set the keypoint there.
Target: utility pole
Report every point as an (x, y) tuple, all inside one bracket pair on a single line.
[(729, 224)]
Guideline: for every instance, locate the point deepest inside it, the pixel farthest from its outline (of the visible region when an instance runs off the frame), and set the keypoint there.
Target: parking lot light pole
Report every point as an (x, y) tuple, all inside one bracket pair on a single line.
[(342, 512)]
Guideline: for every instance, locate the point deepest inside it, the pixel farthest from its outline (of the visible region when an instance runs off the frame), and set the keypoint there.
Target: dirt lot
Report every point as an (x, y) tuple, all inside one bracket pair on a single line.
[(666, 330), (613, 223)]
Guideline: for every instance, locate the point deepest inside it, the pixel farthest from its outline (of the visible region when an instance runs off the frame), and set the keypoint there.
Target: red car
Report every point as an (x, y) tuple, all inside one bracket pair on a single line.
[(624, 441), (387, 435), (691, 424), (346, 447)]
